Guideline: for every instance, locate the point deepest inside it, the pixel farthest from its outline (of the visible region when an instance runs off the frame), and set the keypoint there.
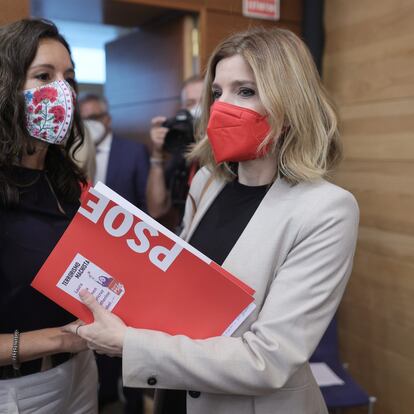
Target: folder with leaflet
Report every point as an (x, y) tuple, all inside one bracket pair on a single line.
[(141, 271)]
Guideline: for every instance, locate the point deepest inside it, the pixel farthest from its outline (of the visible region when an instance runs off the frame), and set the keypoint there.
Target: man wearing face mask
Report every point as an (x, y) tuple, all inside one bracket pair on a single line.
[(121, 164), (170, 175)]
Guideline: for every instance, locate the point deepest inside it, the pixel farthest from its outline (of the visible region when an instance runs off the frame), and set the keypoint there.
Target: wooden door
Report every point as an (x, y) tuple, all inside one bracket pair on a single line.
[(144, 76)]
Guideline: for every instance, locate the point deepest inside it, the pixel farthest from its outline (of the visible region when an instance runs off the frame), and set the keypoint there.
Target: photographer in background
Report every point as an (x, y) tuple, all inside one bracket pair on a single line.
[(168, 180)]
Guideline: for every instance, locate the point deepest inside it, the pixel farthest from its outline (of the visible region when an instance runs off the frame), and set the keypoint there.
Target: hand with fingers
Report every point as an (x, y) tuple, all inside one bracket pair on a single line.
[(106, 334), (72, 343), (158, 133)]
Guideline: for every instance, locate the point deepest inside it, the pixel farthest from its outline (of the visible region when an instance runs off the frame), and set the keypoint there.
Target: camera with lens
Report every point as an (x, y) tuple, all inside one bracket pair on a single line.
[(179, 136), (181, 132)]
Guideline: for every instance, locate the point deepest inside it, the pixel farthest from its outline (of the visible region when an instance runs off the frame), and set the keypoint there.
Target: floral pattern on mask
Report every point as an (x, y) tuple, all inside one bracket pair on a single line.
[(49, 111)]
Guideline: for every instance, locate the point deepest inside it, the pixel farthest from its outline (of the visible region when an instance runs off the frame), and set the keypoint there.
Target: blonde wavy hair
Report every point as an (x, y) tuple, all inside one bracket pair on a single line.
[(302, 117)]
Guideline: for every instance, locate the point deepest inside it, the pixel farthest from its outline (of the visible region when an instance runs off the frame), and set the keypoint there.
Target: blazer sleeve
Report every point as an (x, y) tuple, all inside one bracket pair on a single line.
[(300, 303)]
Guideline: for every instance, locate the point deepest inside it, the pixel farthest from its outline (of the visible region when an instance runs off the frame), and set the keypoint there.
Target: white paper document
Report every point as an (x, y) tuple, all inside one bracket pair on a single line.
[(324, 375), (83, 274)]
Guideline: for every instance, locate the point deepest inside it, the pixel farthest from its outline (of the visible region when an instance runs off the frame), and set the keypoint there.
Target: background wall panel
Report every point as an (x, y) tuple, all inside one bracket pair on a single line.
[(370, 59), (13, 10), (289, 11), (368, 67), (219, 18), (215, 25)]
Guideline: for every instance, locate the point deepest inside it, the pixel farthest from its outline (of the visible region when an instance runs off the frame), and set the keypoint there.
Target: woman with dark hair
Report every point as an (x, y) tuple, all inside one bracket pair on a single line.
[(42, 369)]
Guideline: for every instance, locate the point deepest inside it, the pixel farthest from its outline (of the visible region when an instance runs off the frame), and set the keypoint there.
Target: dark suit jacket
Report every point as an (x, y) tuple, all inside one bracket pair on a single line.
[(127, 171)]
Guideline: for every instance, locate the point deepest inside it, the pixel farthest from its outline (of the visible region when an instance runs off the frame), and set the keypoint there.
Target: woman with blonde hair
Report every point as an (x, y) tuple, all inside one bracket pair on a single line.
[(262, 209)]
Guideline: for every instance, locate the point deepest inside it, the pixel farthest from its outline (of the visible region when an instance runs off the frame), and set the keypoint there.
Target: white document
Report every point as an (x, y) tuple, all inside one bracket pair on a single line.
[(83, 274), (324, 375)]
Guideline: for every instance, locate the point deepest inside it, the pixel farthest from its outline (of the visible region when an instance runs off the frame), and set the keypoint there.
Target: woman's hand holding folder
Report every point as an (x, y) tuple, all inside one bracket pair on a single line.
[(106, 334)]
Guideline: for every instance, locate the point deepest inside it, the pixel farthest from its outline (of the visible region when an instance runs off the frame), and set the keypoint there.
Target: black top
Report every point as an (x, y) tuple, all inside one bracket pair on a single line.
[(225, 220), (215, 236), (28, 233)]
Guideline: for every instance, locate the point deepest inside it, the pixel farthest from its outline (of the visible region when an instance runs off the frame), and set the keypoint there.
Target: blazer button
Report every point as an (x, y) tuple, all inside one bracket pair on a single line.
[(194, 394), (151, 381)]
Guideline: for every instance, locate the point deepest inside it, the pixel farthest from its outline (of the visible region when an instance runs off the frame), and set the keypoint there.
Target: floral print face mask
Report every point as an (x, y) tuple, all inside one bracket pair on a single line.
[(49, 111)]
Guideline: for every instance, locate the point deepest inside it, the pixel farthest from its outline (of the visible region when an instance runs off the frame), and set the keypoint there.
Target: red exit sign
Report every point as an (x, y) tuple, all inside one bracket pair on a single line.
[(262, 9)]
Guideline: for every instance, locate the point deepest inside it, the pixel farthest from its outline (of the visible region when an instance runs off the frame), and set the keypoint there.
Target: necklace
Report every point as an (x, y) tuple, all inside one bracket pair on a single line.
[(60, 208)]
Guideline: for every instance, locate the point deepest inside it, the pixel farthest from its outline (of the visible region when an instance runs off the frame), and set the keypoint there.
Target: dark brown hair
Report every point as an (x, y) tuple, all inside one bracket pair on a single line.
[(19, 42)]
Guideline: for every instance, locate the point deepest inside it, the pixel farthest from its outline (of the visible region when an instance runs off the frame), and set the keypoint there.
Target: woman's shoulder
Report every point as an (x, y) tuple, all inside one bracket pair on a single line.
[(317, 198), (327, 189)]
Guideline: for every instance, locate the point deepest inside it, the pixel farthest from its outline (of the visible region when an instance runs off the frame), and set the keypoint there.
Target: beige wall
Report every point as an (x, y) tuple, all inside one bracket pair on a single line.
[(11, 10), (369, 68), (218, 18)]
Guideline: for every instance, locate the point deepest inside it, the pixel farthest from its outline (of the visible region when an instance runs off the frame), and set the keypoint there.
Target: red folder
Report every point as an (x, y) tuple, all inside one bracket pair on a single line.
[(141, 271)]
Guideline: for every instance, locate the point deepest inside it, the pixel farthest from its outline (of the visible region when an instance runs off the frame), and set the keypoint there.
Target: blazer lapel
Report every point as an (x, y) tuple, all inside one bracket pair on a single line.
[(263, 216), (207, 199), (277, 191)]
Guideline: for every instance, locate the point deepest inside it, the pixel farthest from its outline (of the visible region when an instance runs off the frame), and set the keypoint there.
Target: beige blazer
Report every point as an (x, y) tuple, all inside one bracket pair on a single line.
[(297, 253)]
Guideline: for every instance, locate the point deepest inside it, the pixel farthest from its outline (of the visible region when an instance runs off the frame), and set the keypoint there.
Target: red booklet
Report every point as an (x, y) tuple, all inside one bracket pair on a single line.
[(141, 271)]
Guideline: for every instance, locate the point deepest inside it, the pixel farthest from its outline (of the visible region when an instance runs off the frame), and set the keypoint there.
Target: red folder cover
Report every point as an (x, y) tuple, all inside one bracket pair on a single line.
[(141, 271)]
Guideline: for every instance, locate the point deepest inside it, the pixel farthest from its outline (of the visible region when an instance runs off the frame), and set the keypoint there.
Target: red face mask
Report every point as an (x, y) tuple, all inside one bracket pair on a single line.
[(235, 133)]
